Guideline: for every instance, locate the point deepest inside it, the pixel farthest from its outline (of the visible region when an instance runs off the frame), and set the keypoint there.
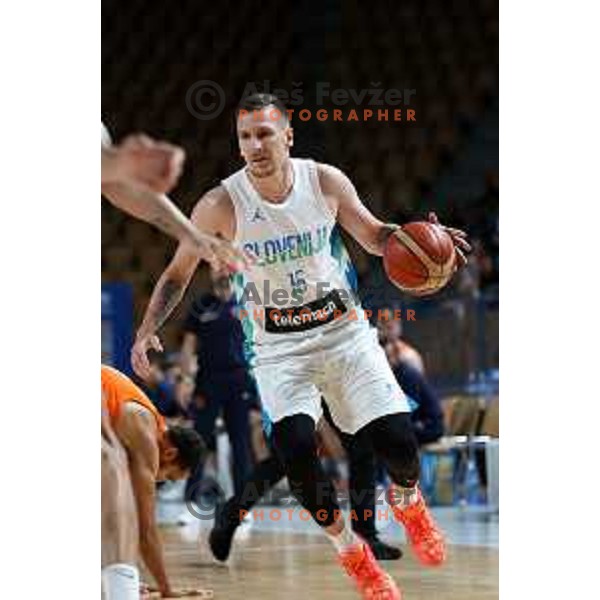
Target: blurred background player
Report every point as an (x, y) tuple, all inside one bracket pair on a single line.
[(408, 367), (155, 452), (397, 349), (213, 350), (273, 197), (170, 389)]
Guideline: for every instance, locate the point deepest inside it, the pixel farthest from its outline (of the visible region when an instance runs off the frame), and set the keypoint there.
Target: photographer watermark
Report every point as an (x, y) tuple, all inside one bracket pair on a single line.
[(374, 96), (337, 114), (280, 310), (206, 100), (284, 318), (203, 501)]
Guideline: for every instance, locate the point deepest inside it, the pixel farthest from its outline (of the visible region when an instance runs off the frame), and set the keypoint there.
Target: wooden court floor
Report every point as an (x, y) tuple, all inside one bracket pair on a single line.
[(284, 565)]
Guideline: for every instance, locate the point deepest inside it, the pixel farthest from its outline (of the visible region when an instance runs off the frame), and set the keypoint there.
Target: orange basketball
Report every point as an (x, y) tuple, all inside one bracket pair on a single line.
[(419, 258)]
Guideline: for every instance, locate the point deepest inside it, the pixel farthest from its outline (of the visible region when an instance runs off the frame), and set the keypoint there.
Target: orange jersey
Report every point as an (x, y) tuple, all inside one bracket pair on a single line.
[(118, 389)]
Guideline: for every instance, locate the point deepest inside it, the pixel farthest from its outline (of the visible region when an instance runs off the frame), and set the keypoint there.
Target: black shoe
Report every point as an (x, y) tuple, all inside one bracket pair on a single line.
[(221, 536), (381, 550)]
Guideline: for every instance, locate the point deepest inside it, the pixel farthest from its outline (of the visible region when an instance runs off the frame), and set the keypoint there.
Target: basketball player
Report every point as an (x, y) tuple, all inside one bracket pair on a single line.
[(285, 212), (134, 175), (154, 452)]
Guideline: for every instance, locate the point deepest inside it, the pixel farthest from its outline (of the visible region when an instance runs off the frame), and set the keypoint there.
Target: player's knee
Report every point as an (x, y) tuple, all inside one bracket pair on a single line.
[(394, 440), (294, 438), (295, 442)]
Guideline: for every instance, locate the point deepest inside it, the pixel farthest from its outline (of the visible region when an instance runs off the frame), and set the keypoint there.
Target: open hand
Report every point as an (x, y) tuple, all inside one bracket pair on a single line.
[(221, 254), (459, 238), (139, 354)]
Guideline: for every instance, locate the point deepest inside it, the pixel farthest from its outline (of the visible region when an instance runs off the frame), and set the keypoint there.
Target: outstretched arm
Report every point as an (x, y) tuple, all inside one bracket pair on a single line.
[(136, 175), (137, 431), (144, 204), (214, 215)]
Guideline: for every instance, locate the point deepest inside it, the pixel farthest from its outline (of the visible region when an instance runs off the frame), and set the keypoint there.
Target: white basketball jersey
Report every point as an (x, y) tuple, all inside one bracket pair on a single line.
[(300, 260)]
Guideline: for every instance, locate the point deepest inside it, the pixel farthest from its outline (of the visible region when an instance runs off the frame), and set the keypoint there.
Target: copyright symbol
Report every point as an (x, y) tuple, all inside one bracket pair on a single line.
[(206, 308), (205, 99), (200, 507)]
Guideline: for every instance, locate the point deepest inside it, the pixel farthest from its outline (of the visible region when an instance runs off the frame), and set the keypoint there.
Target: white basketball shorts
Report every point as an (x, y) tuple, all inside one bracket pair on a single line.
[(345, 365)]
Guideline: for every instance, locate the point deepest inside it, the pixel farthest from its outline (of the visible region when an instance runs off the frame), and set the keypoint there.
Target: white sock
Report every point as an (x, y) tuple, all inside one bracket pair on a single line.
[(120, 582), (344, 539)]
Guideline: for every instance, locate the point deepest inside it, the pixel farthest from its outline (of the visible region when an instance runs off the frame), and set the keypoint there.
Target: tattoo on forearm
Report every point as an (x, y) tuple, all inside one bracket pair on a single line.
[(168, 296)]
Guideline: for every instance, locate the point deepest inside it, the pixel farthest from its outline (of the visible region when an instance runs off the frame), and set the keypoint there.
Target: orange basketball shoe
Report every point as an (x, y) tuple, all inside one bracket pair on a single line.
[(372, 581), (423, 533)]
